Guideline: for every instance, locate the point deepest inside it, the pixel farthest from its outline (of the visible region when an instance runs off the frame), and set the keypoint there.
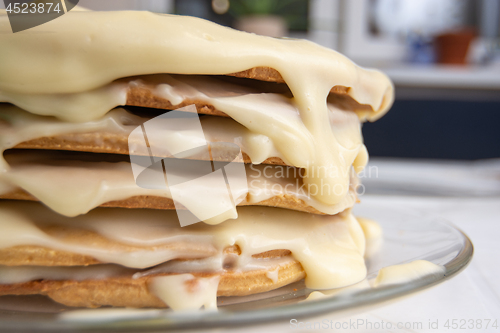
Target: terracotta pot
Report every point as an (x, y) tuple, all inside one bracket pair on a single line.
[(265, 25), (452, 47)]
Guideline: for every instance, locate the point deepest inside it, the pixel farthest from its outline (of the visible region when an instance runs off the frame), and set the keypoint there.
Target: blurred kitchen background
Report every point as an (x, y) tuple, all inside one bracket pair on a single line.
[(442, 55)]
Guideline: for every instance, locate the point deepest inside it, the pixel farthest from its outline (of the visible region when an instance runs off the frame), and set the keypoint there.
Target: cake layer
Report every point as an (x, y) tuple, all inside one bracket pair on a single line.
[(129, 44), (126, 290), (170, 92), (260, 114), (329, 248), (164, 92), (111, 134), (98, 48), (26, 255), (74, 183)]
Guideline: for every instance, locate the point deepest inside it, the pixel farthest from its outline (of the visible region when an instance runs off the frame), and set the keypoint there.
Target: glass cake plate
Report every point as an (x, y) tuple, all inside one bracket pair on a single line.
[(407, 236)]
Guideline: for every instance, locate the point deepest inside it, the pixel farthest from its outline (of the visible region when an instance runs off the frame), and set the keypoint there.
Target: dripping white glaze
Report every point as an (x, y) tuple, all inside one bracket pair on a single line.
[(183, 292), (329, 248), (88, 59), (214, 264), (73, 186), (405, 273), (23, 126)]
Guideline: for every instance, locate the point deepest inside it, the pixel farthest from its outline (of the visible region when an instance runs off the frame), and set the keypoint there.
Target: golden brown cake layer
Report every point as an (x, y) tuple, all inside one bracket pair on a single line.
[(129, 292), (43, 256), (101, 142), (271, 186), (269, 74), (143, 95), (151, 202), (22, 255)]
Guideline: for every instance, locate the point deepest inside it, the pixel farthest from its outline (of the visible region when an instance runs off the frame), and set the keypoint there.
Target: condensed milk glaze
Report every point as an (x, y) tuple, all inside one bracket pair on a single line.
[(88, 62), (97, 48), (73, 185), (329, 248)]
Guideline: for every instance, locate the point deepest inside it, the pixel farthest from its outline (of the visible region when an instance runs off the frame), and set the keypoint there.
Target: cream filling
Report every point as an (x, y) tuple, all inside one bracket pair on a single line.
[(21, 274), (387, 276), (215, 264), (273, 275), (329, 248), (185, 292), (17, 126), (20, 126), (220, 263), (371, 229), (274, 109), (373, 234), (96, 48), (405, 273), (181, 291), (83, 106), (74, 186), (73, 189)]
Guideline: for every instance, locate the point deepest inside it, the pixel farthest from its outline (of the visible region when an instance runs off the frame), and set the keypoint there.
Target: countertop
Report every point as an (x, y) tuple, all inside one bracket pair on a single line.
[(445, 76)]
